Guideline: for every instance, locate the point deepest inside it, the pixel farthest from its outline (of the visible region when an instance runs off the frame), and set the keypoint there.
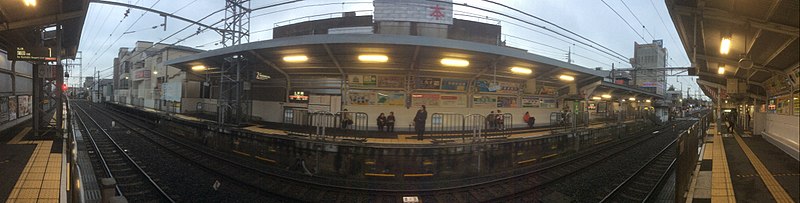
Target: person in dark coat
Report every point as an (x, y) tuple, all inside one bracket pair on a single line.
[(390, 122), (419, 122), (381, 122)]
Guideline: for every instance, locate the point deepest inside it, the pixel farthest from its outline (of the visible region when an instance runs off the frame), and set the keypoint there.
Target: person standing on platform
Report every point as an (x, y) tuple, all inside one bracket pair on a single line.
[(390, 122), (381, 122), (499, 120), (346, 120), (490, 120), (419, 122)]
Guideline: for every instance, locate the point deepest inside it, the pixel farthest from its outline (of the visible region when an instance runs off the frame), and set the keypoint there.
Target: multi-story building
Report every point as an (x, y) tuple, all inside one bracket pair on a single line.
[(141, 78), (649, 61)]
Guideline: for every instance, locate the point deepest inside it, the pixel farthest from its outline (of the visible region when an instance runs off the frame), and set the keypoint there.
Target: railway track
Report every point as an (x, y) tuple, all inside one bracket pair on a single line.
[(498, 189), (640, 186), (132, 181), (187, 180)]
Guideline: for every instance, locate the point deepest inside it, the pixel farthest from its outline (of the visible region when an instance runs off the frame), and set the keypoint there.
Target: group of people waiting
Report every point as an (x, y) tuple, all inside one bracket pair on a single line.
[(493, 120), (386, 122)]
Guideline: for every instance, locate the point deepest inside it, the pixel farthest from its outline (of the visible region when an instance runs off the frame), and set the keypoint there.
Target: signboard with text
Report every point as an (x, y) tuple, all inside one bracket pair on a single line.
[(439, 12), (32, 54)]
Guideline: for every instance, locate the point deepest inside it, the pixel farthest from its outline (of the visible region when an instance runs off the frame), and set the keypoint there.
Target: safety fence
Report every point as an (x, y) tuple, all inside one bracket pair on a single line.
[(561, 121), (446, 127), (324, 125)]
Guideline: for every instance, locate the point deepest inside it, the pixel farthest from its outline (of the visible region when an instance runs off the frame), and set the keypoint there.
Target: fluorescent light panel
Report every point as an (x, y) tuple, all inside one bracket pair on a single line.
[(566, 78), (198, 68), (295, 58), (521, 70), (373, 58), (454, 62), (725, 45)]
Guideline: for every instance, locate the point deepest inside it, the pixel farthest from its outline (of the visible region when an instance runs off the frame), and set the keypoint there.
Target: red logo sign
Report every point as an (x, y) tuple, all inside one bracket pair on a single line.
[(437, 12)]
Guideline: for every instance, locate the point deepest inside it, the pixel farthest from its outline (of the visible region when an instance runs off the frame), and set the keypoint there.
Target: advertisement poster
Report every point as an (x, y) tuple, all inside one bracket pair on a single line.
[(508, 88), (12, 108), (601, 107), (355, 80), (549, 103), (547, 90), (369, 80), (362, 80), (391, 81), (483, 86), (592, 106), (391, 98), (430, 83), (24, 106), (3, 109), (452, 100), (454, 84), (507, 102), (172, 91), (362, 98), (425, 99), (530, 102), (484, 101)]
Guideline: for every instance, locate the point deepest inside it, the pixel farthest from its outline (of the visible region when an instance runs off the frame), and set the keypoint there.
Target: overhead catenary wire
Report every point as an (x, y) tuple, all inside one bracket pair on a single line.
[(623, 20), (543, 20), (122, 34), (637, 19)]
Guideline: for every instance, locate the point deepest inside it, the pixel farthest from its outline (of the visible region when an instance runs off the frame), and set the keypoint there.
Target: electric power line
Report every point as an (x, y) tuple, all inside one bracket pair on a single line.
[(637, 19), (623, 20), (543, 20)]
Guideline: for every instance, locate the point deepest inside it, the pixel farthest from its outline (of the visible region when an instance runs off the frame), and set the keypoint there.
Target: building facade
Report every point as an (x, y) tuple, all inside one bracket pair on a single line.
[(649, 61), (141, 78)]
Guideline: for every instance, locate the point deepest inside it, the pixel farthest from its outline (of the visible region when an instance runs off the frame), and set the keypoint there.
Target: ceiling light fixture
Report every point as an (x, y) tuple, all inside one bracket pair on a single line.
[(566, 78), (373, 58), (521, 70), (454, 62), (606, 96), (199, 68), (725, 45), (721, 70), (30, 3), (295, 58)]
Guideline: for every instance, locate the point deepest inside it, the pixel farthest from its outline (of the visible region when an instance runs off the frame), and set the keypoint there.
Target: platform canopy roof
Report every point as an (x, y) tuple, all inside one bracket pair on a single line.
[(337, 55), (21, 25), (765, 32)]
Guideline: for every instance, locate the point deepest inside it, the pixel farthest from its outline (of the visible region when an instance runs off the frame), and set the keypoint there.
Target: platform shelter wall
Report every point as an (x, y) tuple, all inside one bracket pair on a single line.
[(780, 130), (405, 116)]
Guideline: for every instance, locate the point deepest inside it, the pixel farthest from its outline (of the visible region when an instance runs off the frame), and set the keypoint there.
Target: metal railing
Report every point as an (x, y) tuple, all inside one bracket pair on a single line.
[(447, 126)]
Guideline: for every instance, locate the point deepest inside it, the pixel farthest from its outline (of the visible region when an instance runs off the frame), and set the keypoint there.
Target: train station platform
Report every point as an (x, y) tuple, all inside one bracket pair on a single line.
[(738, 166), (34, 168), (373, 137)]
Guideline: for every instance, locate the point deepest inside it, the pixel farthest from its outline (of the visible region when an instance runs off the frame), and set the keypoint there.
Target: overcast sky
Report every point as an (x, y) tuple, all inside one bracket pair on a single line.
[(106, 29)]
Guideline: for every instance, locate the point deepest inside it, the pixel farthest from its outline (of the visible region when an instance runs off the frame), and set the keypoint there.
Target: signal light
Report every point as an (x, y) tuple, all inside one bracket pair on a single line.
[(64, 87)]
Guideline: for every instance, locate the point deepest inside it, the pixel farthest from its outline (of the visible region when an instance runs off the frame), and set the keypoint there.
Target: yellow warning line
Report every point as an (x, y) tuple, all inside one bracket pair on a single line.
[(526, 161), (20, 135), (773, 186), (242, 153), (265, 159), (379, 174), (721, 186)]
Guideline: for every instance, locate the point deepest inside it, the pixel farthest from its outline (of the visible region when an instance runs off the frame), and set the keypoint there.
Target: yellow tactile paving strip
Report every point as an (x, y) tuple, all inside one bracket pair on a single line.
[(40, 181), (721, 186), (773, 186)]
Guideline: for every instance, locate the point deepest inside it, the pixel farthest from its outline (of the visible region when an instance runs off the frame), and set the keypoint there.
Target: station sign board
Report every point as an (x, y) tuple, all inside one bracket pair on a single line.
[(32, 54), (439, 12)]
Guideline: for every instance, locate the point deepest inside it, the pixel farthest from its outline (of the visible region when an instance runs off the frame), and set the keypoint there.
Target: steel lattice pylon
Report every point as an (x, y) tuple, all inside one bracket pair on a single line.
[(237, 22), (234, 102)]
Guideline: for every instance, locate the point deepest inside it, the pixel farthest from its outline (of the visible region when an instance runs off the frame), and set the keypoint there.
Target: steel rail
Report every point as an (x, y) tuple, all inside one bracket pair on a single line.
[(128, 158)]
